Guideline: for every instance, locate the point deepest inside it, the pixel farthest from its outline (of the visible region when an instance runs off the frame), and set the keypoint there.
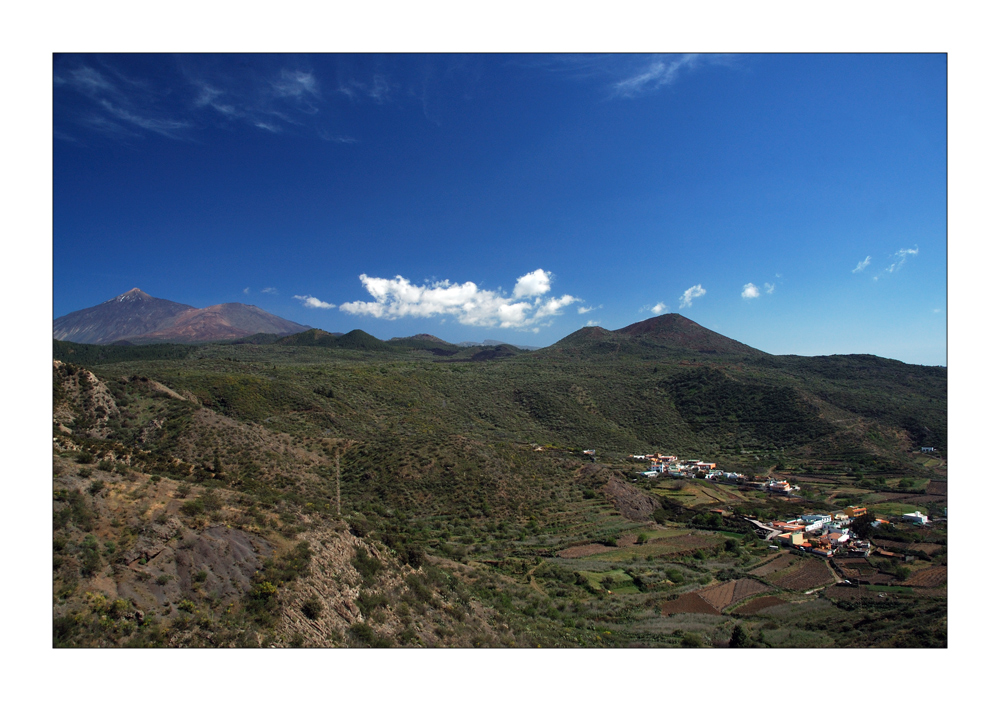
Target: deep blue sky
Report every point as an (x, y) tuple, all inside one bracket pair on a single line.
[(612, 184)]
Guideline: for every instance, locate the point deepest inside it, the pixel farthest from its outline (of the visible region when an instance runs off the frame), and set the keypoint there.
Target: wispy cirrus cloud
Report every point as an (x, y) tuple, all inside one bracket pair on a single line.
[(862, 264), (627, 75), (527, 306), (768, 288), (296, 84), (185, 94), (271, 99), (378, 89), (658, 72), (691, 294), (310, 302), (119, 106), (900, 257), (270, 290)]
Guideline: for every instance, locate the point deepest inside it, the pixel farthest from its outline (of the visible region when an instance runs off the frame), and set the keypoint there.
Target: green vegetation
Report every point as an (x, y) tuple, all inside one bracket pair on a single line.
[(466, 515)]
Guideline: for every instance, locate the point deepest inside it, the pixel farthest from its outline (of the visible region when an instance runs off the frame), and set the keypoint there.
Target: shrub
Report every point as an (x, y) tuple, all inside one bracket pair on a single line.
[(186, 605), (191, 508), (366, 565), (366, 637), (200, 576), (412, 555), (312, 608), (691, 640), (740, 638), (369, 602), (118, 608)]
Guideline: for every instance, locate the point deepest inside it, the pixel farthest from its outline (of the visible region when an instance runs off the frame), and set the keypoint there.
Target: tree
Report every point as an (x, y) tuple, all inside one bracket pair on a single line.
[(739, 638), (863, 525)]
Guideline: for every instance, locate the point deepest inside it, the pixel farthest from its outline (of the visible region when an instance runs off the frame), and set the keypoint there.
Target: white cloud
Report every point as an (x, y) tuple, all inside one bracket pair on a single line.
[(378, 91), (295, 84), (533, 284), (690, 294), (659, 72), (659, 308), (398, 297), (750, 291), (270, 290), (246, 290), (310, 302), (901, 255), (336, 138), (584, 310), (593, 322), (862, 264), (768, 288)]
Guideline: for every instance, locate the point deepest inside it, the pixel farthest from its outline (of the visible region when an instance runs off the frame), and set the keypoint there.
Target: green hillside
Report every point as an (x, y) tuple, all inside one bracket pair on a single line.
[(460, 479)]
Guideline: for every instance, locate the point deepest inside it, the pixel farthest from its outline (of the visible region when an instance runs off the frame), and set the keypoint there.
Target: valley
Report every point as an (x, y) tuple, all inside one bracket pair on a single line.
[(322, 490)]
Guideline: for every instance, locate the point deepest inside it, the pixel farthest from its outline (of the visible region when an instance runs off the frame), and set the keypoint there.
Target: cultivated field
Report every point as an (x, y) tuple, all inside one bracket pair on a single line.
[(688, 603), (813, 573), (725, 594), (758, 605), (930, 577), (779, 563)]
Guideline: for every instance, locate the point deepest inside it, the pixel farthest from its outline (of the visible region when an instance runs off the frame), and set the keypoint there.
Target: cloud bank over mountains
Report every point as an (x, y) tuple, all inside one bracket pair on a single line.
[(529, 306)]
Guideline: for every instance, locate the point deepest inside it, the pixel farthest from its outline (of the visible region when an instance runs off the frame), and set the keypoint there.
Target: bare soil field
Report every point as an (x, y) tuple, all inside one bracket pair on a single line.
[(930, 577), (626, 540), (813, 573), (898, 547), (937, 488), (776, 565), (688, 603), (728, 593), (584, 550), (849, 594), (929, 548), (758, 605), (927, 499), (880, 497)]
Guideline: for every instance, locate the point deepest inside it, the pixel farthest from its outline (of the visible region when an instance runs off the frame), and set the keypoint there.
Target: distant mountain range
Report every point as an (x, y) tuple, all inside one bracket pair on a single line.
[(494, 342), (136, 317)]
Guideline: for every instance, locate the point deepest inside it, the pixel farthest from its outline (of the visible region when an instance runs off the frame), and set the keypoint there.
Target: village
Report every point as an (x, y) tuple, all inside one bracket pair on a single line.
[(821, 534)]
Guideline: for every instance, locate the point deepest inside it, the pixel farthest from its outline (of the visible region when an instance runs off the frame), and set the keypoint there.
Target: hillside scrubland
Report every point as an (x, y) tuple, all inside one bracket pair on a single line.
[(333, 491)]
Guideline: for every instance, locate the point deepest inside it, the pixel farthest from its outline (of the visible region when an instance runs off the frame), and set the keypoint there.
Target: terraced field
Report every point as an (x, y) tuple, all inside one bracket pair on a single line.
[(813, 573), (930, 577), (725, 594)]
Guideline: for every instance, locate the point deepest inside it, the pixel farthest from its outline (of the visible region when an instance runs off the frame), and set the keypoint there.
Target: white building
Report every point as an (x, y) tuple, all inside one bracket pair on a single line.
[(816, 518), (916, 517)]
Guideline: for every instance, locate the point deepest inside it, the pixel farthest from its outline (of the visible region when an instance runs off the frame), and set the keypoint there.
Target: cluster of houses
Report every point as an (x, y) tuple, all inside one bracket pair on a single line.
[(827, 535), (670, 465), (821, 534)]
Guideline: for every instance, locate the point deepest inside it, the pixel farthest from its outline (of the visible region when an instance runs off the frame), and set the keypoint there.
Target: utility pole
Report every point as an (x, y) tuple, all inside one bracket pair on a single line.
[(336, 460)]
